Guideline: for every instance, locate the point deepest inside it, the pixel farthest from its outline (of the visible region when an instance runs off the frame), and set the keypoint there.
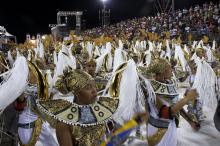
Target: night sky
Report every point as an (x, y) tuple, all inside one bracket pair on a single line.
[(33, 16)]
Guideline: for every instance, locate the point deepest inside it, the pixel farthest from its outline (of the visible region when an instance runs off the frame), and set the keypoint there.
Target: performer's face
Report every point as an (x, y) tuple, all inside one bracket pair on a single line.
[(193, 69), (90, 68), (202, 54), (168, 73), (88, 94)]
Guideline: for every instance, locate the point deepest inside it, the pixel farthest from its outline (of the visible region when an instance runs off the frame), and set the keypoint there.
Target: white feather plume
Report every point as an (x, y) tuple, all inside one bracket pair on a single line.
[(29, 55), (159, 46), (168, 51), (108, 46), (110, 62), (150, 46), (213, 45), (72, 59), (186, 49), (210, 56), (205, 81), (148, 87), (15, 84), (194, 44), (89, 48), (41, 50), (100, 60), (97, 52), (18, 53), (128, 93), (121, 45), (64, 61), (118, 59), (200, 44), (10, 58), (54, 57), (179, 54), (148, 57)]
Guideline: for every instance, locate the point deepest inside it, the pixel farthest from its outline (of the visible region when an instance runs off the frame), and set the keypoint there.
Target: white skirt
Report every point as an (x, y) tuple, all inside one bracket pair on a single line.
[(46, 137), (169, 138)]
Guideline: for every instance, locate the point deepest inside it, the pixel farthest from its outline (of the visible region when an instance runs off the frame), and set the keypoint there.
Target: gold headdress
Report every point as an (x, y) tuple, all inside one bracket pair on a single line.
[(158, 66), (72, 81), (57, 46), (190, 37), (205, 39), (67, 42), (87, 38), (178, 41), (31, 55), (108, 39), (90, 61), (167, 35), (47, 41), (143, 33), (150, 36), (200, 51), (73, 37)]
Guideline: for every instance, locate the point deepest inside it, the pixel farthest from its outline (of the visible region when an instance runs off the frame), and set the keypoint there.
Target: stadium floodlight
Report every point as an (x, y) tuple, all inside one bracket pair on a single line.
[(104, 15), (104, 1)]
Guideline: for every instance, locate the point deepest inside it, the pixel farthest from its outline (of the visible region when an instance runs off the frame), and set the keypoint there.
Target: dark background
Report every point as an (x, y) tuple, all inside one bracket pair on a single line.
[(34, 16)]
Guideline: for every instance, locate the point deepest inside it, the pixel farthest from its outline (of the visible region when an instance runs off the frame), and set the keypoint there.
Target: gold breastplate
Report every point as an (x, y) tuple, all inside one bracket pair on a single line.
[(88, 136), (70, 113)]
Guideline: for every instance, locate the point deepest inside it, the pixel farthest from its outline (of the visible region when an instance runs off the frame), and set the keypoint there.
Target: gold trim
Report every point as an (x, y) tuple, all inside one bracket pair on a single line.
[(3, 62), (69, 113), (106, 60), (164, 89), (41, 81), (88, 136), (115, 84), (156, 138)]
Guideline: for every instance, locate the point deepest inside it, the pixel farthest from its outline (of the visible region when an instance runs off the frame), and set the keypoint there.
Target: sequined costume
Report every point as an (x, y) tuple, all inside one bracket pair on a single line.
[(88, 122)]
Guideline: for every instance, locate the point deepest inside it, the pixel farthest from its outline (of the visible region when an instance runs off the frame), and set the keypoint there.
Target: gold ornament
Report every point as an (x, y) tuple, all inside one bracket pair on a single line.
[(155, 139), (167, 35), (47, 41), (42, 82), (73, 81), (115, 83), (158, 66), (190, 37), (205, 39)]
